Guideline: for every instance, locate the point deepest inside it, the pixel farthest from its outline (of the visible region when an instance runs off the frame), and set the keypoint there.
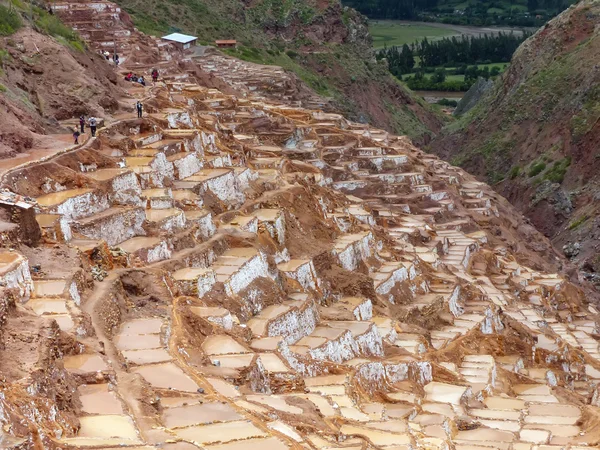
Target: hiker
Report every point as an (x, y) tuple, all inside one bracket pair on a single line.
[(116, 59), (76, 136), (142, 81), (154, 75), (93, 124), (82, 123), (106, 55), (129, 76), (139, 108), (134, 78)]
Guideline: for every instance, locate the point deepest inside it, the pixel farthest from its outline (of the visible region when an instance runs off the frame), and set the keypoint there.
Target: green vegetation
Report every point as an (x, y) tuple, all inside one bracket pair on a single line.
[(584, 121), (390, 33), (536, 169), (447, 102), (578, 222), (10, 21), (557, 172), (2, 88), (451, 80), (52, 25), (522, 13), (454, 64), (514, 172)]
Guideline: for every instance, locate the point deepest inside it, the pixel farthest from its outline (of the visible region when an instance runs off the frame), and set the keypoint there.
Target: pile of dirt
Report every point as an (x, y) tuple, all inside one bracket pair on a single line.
[(534, 135)]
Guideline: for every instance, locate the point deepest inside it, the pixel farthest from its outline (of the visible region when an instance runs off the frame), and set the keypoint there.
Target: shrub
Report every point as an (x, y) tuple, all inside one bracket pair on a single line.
[(537, 169), (447, 102), (292, 54), (557, 172), (576, 223), (514, 172), (2, 88), (10, 21)]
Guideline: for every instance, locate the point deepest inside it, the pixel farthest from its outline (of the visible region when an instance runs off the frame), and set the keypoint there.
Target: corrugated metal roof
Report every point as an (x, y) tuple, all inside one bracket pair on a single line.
[(178, 37)]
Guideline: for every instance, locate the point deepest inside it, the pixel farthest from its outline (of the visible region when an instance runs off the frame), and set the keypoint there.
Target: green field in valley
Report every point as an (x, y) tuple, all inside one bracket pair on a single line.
[(391, 33)]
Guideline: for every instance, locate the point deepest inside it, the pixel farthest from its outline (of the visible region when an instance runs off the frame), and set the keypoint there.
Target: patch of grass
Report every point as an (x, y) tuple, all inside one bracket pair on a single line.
[(578, 222), (584, 121), (391, 33), (52, 25), (10, 21), (514, 172), (536, 169), (557, 172), (3, 88)]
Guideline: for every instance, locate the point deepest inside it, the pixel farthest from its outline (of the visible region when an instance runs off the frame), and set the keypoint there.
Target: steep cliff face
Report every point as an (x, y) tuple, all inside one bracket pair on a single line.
[(327, 45), (535, 135)]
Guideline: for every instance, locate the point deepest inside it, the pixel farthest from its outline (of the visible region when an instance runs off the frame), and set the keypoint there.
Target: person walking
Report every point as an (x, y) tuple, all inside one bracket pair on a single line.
[(154, 75), (140, 109), (76, 136), (93, 124), (82, 123)]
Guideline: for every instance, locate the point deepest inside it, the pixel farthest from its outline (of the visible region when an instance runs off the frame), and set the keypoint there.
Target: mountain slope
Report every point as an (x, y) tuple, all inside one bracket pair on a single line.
[(45, 79), (327, 45), (535, 135)]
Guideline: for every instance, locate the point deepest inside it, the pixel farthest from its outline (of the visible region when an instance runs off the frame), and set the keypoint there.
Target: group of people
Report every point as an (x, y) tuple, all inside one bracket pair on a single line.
[(92, 123), (133, 77)]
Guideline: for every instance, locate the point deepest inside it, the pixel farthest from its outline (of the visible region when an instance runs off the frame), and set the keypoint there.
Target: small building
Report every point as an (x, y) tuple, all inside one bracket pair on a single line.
[(226, 43), (181, 41)]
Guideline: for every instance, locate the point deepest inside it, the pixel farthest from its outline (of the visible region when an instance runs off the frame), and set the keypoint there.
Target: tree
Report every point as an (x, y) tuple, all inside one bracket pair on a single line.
[(407, 59), (439, 76)]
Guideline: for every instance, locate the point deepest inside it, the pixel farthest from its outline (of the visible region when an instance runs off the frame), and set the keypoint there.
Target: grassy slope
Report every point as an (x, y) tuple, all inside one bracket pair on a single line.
[(540, 125), (329, 45)]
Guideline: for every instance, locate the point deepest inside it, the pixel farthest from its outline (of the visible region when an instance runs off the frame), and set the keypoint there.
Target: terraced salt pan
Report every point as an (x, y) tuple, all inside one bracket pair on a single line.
[(105, 430), (99, 399), (276, 402), (48, 305), (167, 376), (220, 432), (444, 393), (251, 444), (138, 342), (48, 288), (205, 413), (146, 356), (84, 363), (222, 345)]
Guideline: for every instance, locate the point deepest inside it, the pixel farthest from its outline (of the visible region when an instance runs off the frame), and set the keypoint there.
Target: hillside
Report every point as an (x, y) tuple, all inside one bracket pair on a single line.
[(46, 76), (535, 135), (327, 45)]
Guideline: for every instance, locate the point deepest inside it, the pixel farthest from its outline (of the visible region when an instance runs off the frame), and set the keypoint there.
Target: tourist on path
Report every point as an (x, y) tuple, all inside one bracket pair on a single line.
[(93, 124), (154, 75), (140, 109), (76, 136), (82, 123), (142, 81)]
